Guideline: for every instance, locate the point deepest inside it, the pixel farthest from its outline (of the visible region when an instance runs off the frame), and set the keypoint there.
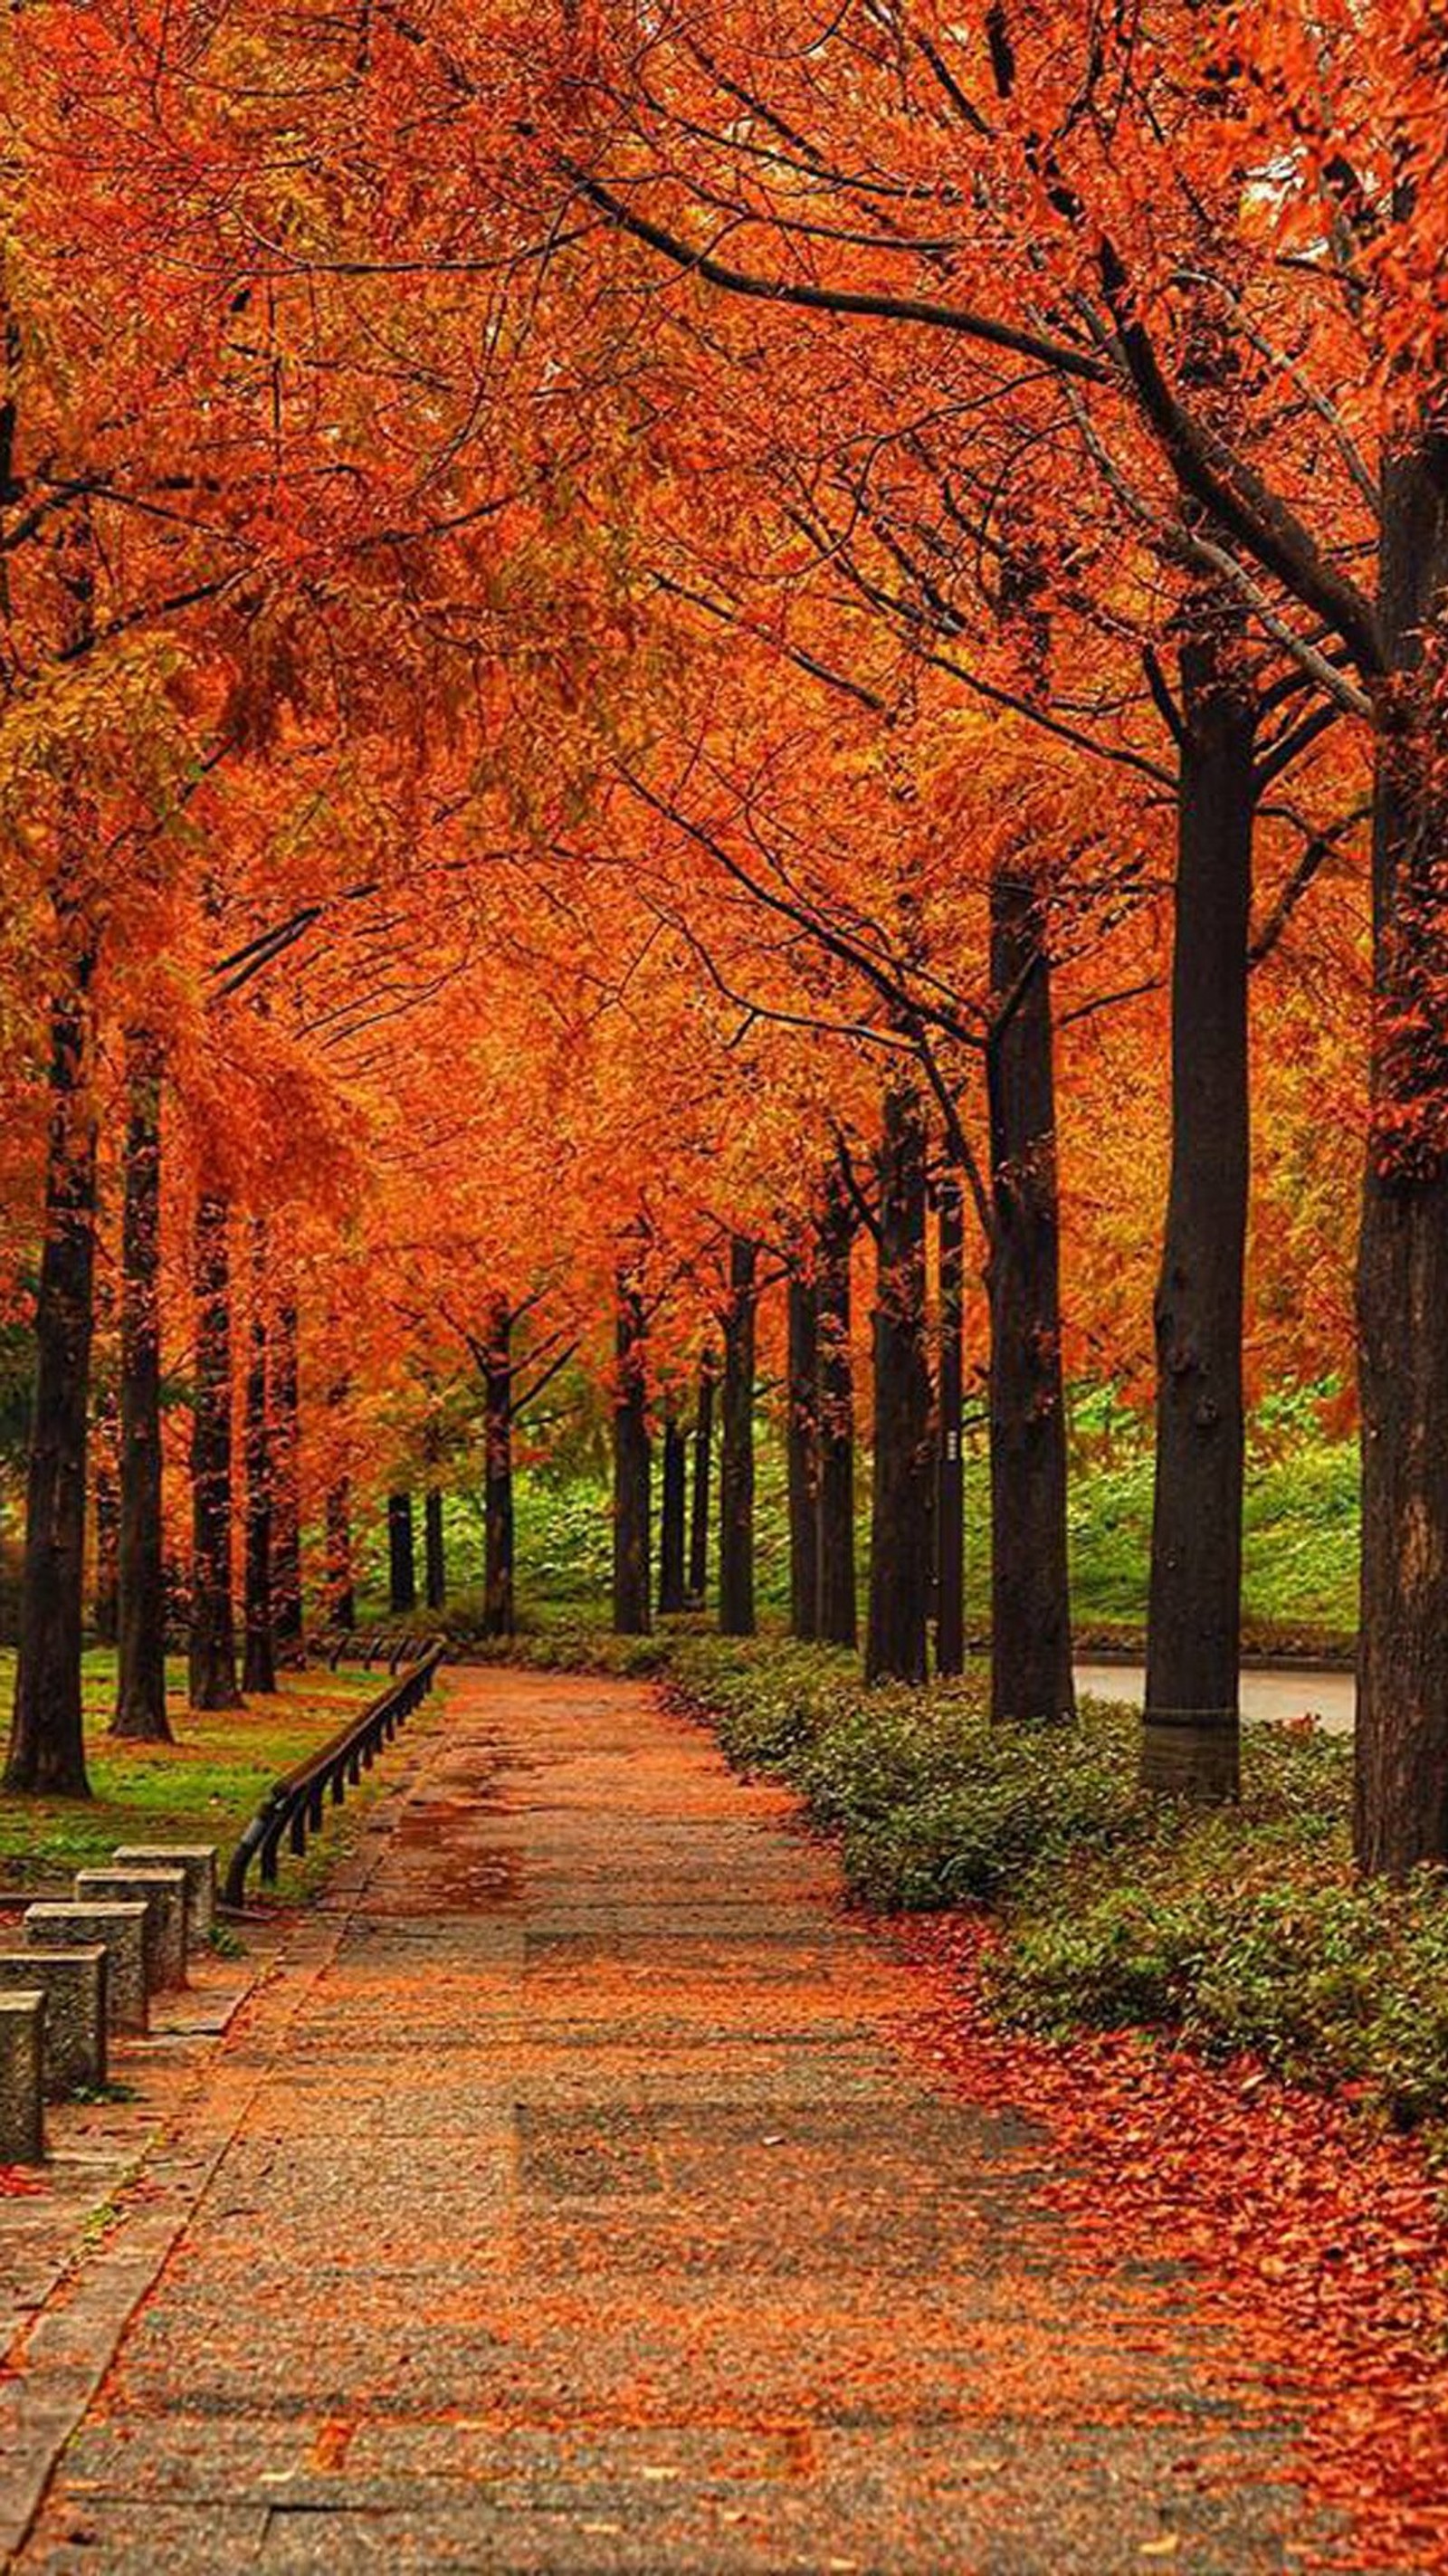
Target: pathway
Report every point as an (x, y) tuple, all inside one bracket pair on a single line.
[(593, 2214), (1277, 1695)]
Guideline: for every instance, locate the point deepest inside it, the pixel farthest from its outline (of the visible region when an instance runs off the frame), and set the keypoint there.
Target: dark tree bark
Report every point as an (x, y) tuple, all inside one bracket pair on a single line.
[(631, 1464), (671, 1516), (499, 1606), (288, 1609), (1030, 1595), (1402, 1719), (47, 1749), (213, 1622), (141, 1679), (900, 1519), (341, 1588), (736, 1457), (401, 1569), (259, 1671), (703, 1444), (1191, 1737), (802, 1455), (340, 1563), (950, 1449), (434, 1553), (106, 1611), (837, 1606)]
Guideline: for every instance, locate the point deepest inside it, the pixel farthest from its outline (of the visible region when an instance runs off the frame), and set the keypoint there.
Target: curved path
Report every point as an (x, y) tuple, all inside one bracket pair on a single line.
[(1270, 1695), (586, 2209)]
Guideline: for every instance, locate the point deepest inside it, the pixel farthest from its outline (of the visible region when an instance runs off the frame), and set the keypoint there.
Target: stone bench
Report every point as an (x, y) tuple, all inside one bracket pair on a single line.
[(163, 1893), (197, 1862), (73, 1983), (121, 1928), (22, 2077)]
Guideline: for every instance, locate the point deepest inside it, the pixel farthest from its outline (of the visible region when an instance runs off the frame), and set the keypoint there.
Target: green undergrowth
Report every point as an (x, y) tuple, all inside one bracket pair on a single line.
[(1300, 1535), (202, 1788), (1240, 1928)]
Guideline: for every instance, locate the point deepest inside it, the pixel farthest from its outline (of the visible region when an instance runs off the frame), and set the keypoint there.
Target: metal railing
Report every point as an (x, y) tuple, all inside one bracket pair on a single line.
[(294, 1806)]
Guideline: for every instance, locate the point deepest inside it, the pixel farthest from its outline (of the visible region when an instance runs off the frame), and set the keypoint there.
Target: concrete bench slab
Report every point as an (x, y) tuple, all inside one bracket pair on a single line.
[(198, 1862), (163, 1893), (22, 2077), (73, 1983), (70, 1925)]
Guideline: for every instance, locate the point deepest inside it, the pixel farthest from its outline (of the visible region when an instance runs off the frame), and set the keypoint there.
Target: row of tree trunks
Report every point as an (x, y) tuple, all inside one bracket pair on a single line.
[(673, 1571), (499, 1604), (950, 1447), (802, 1450), (699, 1502), (1030, 1598), (401, 1555), (736, 1456), (259, 1658), (47, 1750), (213, 1681), (434, 1551), (631, 1462), (106, 1496), (836, 1590), (1402, 1723), (1190, 1741), (141, 1584), (284, 1417), (900, 1516)]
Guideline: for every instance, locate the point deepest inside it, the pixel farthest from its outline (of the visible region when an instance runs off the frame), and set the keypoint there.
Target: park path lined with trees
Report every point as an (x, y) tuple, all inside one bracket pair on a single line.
[(722, 768), (860, 644), (597, 2211)]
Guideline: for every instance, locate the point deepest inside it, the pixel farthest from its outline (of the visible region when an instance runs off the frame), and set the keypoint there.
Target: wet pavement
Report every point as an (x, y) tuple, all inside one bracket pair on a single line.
[(582, 2205)]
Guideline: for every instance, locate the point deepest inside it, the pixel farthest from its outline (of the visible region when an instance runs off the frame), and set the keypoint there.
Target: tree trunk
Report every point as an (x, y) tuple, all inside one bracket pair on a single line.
[(401, 1570), (434, 1554), (950, 1448), (259, 1672), (213, 1622), (47, 1748), (141, 1678), (499, 1606), (106, 1612), (341, 1589), (288, 1619), (699, 1504), (837, 1610), (671, 1516), (1030, 1595), (900, 1519), (1191, 1736), (802, 1456), (631, 1465), (736, 1457), (1402, 1720)]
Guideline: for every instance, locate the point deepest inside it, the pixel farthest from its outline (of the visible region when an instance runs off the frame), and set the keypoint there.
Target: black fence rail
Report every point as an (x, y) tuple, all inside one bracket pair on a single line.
[(369, 1646), (295, 1805)]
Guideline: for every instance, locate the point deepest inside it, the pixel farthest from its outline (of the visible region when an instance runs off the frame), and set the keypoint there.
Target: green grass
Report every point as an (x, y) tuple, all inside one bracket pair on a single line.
[(201, 1789), (1300, 1538)]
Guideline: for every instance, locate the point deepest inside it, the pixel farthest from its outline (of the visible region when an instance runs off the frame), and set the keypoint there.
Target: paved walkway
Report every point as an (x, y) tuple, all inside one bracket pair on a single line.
[(584, 2211)]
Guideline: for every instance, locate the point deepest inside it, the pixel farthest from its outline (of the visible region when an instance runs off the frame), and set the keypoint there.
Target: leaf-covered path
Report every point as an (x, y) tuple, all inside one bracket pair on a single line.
[(596, 2212)]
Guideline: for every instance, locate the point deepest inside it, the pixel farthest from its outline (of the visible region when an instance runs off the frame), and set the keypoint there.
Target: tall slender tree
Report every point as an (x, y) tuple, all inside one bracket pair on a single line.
[(141, 1664)]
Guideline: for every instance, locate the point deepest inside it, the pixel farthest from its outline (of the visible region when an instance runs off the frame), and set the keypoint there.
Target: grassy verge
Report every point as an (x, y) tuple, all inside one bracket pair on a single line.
[(202, 1788), (1300, 1535), (1240, 1929)]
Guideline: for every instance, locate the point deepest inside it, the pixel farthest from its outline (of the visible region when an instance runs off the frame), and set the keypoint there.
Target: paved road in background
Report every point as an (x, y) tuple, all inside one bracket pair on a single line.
[(1277, 1695)]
